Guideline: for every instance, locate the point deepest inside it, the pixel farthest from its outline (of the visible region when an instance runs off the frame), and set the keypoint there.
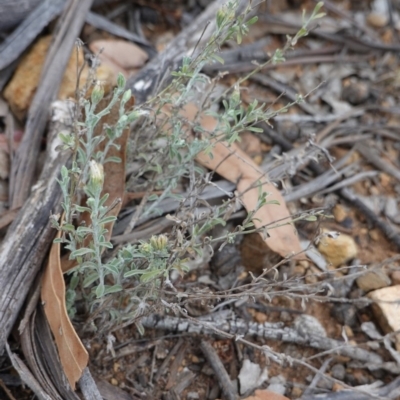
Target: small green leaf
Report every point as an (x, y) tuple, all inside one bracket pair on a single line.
[(112, 159), (82, 252), (121, 81), (83, 229), (252, 21), (133, 272), (81, 208), (255, 129), (100, 290), (108, 245), (106, 220), (311, 218), (273, 202), (73, 283), (148, 276), (93, 277), (112, 289), (216, 57)]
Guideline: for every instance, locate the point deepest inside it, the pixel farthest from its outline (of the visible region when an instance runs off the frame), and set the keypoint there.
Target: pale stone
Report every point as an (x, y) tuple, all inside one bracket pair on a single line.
[(386, 308), (22, 87), (373, 280), (377, 20), (251, 376)]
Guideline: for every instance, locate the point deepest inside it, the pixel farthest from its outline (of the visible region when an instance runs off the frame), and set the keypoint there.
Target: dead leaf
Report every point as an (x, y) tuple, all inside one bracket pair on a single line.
[(234, 165), (266, 395), (73, 355), (119, 55)]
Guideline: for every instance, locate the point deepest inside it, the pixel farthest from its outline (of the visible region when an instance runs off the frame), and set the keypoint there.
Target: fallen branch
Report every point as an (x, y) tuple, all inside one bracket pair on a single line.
[(236, 327)]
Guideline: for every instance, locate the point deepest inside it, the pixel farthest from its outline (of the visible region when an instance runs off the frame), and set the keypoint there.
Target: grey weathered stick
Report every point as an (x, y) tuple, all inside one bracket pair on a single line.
[(237, 327), (219, 369), (288, 92), (144, 83), (28, 238), (372, 156), (14, 11), (16, 43), (23, 167), (88, 386), (100, 22), (27, 376)]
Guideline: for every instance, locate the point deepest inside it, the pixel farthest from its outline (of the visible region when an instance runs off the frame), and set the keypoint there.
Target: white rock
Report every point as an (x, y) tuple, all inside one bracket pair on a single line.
[(277, 385), (251, 376), (386, 308)]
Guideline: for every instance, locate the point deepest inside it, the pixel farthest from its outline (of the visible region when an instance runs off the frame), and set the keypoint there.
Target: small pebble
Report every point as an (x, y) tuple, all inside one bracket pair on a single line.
[(338, 371), (356, 92), (377, 20), (373, 280)]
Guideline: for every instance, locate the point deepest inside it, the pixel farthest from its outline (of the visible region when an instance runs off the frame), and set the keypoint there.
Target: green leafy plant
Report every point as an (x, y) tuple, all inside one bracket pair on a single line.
[(121, 287)]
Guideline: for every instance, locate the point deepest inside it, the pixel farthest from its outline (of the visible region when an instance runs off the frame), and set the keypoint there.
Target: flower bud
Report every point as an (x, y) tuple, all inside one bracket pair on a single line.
[(159, 242), (97, 94), (96, 173), (235, 97), (126, 96), (121, 81)]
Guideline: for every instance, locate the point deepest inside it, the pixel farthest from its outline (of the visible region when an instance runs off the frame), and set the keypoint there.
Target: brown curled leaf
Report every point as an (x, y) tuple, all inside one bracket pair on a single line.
[(73, 355)]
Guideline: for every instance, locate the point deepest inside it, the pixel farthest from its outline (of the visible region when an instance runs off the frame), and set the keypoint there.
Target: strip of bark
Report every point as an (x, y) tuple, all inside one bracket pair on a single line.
[(23, 167)]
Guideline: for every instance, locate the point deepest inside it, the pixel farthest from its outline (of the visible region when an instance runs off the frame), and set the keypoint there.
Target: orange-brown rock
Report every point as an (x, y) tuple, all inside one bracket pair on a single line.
[(22, 87)]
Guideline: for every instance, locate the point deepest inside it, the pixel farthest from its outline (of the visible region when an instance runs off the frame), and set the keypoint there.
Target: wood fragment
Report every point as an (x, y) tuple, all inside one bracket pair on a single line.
[(219, 369), (282, 88), (24, 163), (146, 81), (173, 371), (165, 363), (14, 11), (25, 246), (375, 159), (88, 386), (100, 22), (17, 42), (26, 375), (235, 327)]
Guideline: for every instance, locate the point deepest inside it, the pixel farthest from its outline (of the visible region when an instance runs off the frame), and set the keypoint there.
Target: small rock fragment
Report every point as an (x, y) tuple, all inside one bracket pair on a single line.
[(296, 392), (337, 248), (338, 371), (251, 376), (339, 212), (370, 330), (21, 89), (277, 384), (386, 309), (289, 130), (373, 280), (377, 20), (356, 92), (307, 325)]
